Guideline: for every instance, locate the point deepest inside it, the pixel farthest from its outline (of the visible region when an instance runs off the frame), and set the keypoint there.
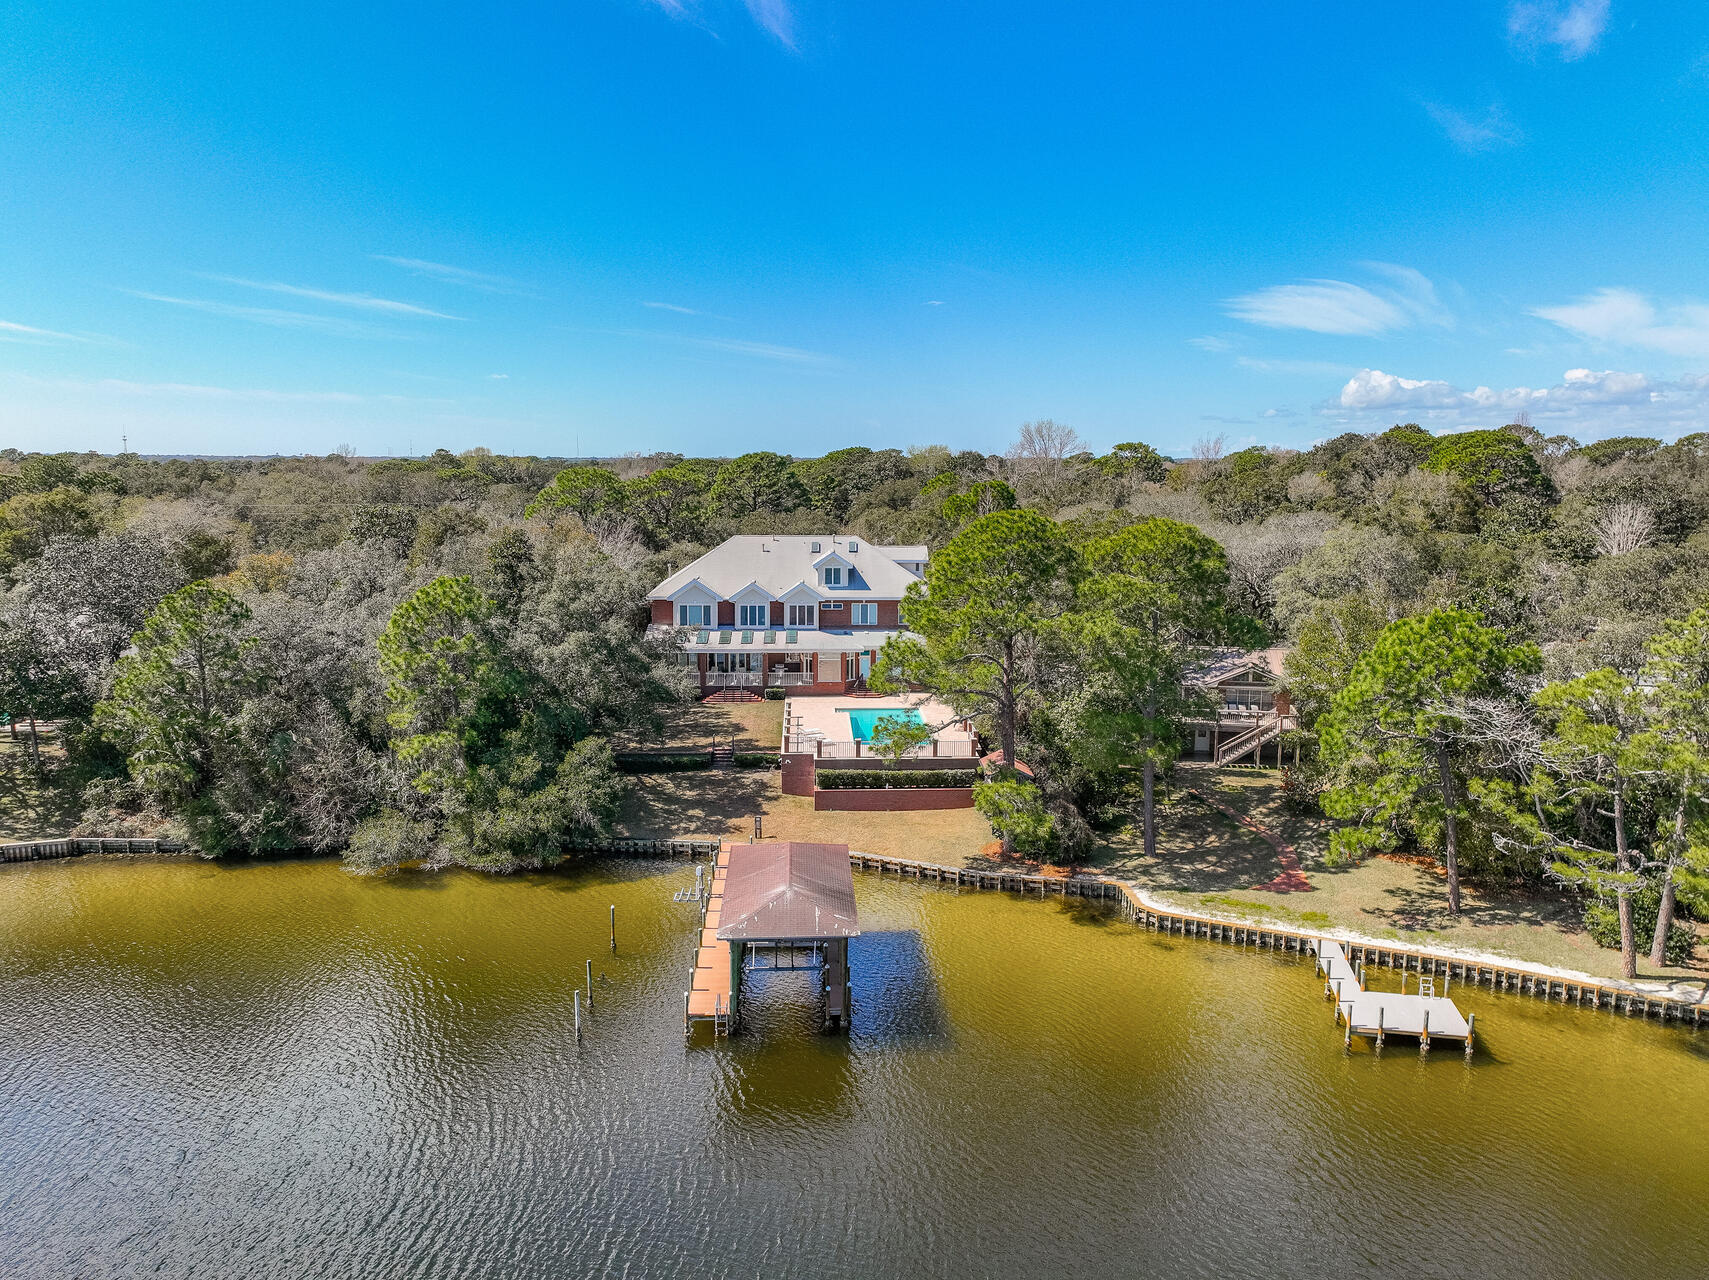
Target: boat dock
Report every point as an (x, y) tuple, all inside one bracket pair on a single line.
[(709, 990), (1379, 1014)]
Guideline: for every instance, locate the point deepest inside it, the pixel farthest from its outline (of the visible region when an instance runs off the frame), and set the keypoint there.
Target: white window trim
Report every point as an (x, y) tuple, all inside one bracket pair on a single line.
[(794, 614), (865, 614), (705, 611), (764, 611)]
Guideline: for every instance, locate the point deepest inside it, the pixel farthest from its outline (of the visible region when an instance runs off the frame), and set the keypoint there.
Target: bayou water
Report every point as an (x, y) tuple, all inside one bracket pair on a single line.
[(286, 1071)]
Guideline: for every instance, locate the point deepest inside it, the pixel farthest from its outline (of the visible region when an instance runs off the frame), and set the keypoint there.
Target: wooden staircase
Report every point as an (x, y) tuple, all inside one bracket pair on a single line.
[(732, 695), (1264, 732)]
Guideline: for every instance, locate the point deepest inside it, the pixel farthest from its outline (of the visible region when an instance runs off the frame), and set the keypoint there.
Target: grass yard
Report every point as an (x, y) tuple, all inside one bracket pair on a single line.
[(32, 808), (1209, 862), (756, 726)]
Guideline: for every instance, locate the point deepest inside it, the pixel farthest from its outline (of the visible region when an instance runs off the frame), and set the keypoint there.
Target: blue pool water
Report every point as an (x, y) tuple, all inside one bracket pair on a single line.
[(864, 719)]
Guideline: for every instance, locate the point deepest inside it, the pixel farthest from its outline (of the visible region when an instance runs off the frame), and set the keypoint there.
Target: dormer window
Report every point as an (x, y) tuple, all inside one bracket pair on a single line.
[(833, 575)]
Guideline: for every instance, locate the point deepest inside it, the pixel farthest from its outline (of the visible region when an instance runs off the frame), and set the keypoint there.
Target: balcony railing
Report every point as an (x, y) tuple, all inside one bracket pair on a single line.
[(789, 679), (732, 679)]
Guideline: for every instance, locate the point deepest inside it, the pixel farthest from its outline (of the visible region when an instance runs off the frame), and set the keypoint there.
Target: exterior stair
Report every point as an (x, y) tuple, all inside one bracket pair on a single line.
[(732, 695), (723, 757), (1265, 731)]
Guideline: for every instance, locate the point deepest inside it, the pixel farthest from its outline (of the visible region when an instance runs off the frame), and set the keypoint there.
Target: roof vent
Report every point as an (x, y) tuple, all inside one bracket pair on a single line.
[(853, 545), (815, 548)]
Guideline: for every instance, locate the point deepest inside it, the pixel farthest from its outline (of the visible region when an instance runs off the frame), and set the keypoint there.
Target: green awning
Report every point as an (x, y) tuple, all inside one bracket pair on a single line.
[(791, 637), (747, 637), (703, 637), (771, 637), (724, 636)]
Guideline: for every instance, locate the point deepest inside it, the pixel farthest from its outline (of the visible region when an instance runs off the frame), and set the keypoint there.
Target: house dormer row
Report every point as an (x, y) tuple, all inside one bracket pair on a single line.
[(788, 609)]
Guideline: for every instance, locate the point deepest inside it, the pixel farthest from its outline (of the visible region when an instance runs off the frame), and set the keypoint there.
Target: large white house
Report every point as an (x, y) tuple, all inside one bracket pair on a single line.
[(782, 611)]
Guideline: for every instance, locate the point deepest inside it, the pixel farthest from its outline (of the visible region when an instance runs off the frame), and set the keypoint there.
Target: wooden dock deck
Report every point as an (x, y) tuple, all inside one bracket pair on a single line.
[(709, 988), (1378, 1014)]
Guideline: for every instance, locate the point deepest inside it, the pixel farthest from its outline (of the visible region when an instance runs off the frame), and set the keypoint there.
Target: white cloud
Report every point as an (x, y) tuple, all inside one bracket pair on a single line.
[(671, 306), (738, 347), (451, 275), (1307, 368), (11, 331), (1485, 132), (1214, 343), (1572, 26), (264, 315), (1341, 307), (361, 301), (199, 391), (774, 16), (932, 302), (1625, 318), (1587, 403)]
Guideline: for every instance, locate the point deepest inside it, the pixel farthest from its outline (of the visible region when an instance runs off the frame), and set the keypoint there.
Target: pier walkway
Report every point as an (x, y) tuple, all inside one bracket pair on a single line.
[(1378, 1014), (709, 992)]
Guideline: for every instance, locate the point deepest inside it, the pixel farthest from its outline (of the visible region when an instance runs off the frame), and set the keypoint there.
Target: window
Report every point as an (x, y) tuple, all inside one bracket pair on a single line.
[(853, 545), (833, 575), (864, 615), (815, 548), (751, 615), (694, 615), (800, 615)]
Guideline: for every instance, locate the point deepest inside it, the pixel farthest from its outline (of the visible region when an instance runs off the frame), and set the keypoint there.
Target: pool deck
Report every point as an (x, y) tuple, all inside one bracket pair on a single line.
[(820, 718)]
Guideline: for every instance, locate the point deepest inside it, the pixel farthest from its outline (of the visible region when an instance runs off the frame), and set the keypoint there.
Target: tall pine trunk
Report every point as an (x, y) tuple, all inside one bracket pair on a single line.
[(1007, 714), (1150, 772), (1623, 895), (1451, 830), (1664, 917)]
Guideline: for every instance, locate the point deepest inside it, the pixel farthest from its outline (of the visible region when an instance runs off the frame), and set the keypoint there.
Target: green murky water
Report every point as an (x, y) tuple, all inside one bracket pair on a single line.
[(283, 1071)]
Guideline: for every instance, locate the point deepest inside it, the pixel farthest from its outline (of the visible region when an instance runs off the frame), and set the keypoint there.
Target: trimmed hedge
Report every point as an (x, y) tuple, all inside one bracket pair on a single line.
[(854, 779), (663, 762), (774, 695), (756, 760)]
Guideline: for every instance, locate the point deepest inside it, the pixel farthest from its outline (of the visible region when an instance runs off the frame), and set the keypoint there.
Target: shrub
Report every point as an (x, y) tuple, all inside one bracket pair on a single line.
[(756, 760), (775, 695), (879, 779), (1602, 918), (664, 762)]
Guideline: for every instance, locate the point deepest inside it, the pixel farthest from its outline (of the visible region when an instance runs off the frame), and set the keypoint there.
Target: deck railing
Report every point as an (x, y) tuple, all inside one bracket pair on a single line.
[(824, 749)]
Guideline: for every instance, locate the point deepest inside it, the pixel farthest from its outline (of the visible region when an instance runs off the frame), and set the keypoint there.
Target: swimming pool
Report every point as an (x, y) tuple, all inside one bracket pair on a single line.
[(862, 720)]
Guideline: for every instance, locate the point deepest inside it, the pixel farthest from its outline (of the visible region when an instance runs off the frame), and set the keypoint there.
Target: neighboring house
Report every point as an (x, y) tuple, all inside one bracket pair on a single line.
[(1247, 709), (804, 613)]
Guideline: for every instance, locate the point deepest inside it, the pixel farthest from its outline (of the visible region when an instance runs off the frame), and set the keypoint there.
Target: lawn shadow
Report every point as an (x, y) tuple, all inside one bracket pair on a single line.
[(707, 803)]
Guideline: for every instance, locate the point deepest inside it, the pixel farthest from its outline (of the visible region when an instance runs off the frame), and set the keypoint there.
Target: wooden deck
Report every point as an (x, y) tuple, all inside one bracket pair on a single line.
[(1378, 1014), (709, 989)]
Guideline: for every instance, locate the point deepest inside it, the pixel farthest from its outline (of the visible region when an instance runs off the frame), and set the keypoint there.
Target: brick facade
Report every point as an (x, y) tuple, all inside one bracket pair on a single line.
[(662, 613)]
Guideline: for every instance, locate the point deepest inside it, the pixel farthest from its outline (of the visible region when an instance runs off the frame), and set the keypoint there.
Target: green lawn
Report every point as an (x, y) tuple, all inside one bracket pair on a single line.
[(756, 726), (32, 807)]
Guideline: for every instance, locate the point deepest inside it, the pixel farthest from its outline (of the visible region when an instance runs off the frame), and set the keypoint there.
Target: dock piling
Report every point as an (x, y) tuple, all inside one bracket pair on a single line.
[(590, 986), (614, 926), (578, 1005)]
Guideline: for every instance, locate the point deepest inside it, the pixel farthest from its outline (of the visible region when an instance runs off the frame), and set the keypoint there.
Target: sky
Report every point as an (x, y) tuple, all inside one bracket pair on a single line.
[(712, 226)]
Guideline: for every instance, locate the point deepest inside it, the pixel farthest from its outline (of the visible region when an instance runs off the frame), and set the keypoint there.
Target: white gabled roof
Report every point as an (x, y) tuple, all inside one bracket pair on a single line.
[(908, 555), (778, 562), (1228, 663), (691, 584)]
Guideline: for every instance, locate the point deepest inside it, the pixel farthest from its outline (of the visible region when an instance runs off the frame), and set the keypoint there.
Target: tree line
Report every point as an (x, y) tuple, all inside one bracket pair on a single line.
[(431, 653)]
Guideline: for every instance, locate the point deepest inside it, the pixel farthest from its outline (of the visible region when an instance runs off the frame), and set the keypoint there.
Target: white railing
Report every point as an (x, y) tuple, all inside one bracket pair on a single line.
[(732, 679), (953, 749), (788, 679)]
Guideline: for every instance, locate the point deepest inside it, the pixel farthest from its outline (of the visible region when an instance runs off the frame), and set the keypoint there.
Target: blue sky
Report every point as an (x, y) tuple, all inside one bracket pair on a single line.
[(718, 225)]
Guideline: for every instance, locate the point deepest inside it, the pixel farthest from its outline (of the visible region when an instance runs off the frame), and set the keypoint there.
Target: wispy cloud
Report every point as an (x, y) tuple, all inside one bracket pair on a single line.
[(774, 16), (1307, 368), (1573, 27), (1486, 132), (452, 275), (1408, 298), (932, 302), (1215, 343), (360, 301), (1626, 318), (11, 331), (265, 315), (200, 391), (739, 347)]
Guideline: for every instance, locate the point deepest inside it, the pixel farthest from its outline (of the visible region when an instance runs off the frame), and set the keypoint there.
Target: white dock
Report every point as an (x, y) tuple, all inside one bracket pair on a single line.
[(1379, 1014)]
